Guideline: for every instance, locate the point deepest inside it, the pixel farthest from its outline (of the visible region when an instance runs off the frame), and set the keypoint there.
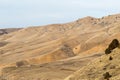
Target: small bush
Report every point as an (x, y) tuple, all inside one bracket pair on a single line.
[(100, 61), (68, 50), (107, 51), (112, 67), (114, 44), (21, 63), (110, 58), (107, 76), (104, 68)]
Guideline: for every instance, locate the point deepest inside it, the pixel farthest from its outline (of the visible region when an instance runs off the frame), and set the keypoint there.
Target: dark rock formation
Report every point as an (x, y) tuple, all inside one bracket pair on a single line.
[(114, 44)]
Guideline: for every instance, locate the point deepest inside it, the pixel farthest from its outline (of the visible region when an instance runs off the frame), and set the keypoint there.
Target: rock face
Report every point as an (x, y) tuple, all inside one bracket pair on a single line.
[(75, 41)]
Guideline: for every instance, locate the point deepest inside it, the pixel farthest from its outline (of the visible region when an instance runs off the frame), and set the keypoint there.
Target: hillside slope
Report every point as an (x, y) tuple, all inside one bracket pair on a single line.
[(97, 69), (79, 41), (57, 39)]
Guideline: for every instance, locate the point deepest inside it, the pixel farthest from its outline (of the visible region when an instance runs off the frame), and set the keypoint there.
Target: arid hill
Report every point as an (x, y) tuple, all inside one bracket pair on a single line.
[(60, 49), (105, 67)]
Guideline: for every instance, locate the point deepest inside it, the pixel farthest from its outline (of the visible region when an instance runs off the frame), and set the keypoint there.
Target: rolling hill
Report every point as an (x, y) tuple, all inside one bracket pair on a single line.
[(55, 51)]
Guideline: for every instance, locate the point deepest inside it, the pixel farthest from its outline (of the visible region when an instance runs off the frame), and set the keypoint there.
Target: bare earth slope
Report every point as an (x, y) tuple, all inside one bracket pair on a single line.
[(52, 45)]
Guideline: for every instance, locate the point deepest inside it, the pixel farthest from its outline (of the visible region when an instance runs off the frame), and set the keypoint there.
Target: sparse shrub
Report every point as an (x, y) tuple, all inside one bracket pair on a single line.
[(68, 50), (107, 51), (107, 76), (112, 67), (102, 17), (100, 61), (104, 68), (114, 44), (110, 58), (21, 63)]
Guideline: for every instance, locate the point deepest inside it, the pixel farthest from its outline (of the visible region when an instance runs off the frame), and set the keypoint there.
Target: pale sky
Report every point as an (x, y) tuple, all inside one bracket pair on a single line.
[(24, 13)]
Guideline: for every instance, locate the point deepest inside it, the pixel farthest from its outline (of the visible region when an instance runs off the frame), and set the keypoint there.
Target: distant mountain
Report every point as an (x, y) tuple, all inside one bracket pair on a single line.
[(8, 30)]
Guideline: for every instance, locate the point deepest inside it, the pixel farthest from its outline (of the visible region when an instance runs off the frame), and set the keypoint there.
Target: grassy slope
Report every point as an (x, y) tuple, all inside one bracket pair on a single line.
[(96, 69)]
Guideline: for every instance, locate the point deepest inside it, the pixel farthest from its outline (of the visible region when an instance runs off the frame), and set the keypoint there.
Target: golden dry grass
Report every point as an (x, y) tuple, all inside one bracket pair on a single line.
[(58, 42)]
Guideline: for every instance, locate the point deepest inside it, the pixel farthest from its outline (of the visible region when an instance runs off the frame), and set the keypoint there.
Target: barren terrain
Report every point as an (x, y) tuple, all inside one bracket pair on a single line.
[(53, 52)]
